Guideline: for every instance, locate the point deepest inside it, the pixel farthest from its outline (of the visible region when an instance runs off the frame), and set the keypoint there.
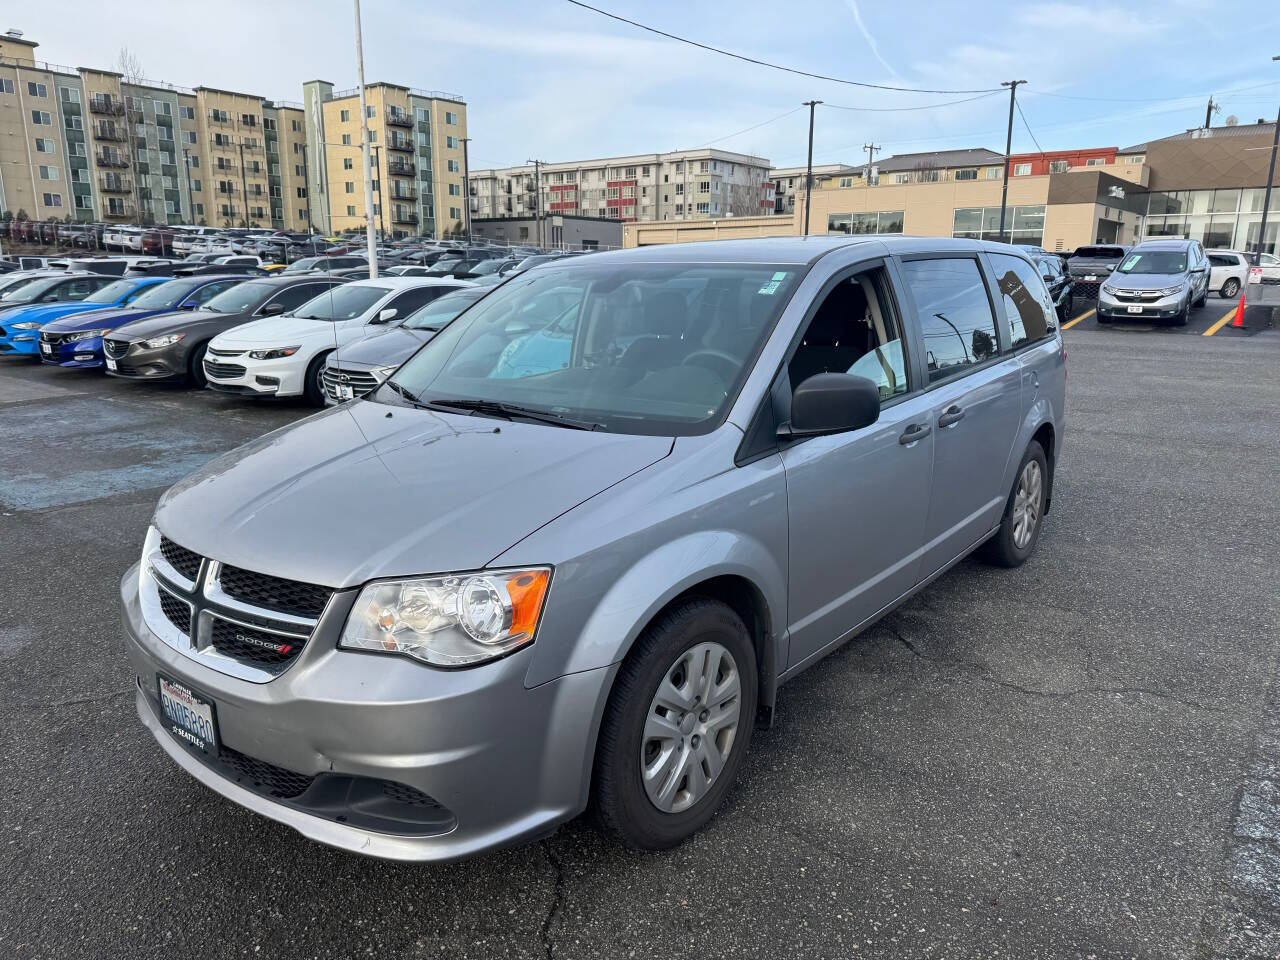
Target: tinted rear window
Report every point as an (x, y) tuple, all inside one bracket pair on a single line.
[(1098, 253)]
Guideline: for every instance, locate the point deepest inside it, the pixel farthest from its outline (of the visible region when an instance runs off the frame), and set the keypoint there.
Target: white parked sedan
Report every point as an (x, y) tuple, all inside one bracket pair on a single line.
[(285, 356)]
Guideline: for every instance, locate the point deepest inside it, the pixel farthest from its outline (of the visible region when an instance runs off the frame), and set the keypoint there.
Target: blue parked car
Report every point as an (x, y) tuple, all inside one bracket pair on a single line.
[(20, 329), (50, 287), (77, 341)]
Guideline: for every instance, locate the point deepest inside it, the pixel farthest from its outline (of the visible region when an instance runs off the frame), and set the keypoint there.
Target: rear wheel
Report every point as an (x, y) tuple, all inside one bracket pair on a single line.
[(1230, 288), (1019, 529), (313, 386), (676, 727), (195, 366)]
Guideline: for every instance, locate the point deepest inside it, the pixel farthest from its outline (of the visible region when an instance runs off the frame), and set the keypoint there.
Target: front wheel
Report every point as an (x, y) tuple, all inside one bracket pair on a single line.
[(195, 373), (1230, 288), (676, 727), (1019, 529), (1184, 315), (313, 386)]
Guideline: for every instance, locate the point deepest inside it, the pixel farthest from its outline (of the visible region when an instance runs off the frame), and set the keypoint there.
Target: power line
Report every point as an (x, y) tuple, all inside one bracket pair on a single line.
[(1029, 133), (927, 106), (764, 63), (756, 127), (1189, 96)]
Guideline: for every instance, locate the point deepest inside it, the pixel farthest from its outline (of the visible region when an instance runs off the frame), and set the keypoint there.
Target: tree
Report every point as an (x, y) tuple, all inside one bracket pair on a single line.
[(129, 66)]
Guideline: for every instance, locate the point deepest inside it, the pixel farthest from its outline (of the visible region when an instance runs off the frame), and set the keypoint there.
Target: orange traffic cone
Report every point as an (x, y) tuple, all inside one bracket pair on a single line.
[(1238, 321)]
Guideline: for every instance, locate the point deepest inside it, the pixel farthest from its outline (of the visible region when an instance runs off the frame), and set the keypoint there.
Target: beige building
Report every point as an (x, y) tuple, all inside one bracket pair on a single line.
[(788, 181), (679, 185), (89, 144), (417, 156)]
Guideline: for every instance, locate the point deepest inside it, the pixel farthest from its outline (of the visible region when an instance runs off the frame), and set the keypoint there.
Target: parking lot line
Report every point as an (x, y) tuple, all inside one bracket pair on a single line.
[(1219, 324), (1084, 316)]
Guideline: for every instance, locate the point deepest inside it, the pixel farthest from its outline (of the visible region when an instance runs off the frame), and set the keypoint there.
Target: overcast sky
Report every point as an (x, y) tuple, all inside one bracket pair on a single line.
[(547, 79)]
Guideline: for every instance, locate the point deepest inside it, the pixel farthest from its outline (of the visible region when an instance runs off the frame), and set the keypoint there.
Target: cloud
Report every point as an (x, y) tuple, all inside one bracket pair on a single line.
[(866, 35)]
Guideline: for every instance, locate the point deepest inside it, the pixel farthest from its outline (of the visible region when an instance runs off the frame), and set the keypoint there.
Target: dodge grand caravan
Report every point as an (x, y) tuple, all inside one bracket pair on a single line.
[(457, 612)]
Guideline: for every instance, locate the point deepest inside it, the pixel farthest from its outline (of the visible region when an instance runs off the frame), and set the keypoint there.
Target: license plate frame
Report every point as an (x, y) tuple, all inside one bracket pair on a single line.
[(111, 364), (1091, 276), (345, 392), (1134, 308), (46, 349), (201, 736)]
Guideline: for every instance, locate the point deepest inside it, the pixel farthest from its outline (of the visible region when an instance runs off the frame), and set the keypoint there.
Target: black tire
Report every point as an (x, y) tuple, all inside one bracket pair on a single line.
[(1230, 288), (1184, 315), (1204, 297), (195, 366), (1001, 549), (313, 387), (621, 803)]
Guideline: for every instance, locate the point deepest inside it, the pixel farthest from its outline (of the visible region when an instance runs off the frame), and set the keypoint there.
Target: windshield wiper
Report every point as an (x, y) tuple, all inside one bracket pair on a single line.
[(510, 411), (411, 397)]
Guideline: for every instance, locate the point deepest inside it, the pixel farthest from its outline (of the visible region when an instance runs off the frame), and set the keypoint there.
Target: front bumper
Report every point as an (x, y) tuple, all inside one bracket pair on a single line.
[(161, 363), (506, 763), (86, 354), (244, 375), (20, 343), (1166, 307)]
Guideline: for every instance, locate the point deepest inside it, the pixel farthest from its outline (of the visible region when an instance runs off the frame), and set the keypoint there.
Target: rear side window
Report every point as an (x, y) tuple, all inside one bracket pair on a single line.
[(412, 300), (1027, 307), (1224, 260), (297, 296), (209, 291), (956, 319)]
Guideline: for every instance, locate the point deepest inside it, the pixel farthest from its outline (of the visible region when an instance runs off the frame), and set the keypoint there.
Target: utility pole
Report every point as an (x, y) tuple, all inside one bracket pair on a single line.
[(808, 170), (1266, 200), (364, 154), (382, 201), (191, 196), (1008, 147), (244, 185), (537, 197), (466, 187), (1208, 112), (306, 179)]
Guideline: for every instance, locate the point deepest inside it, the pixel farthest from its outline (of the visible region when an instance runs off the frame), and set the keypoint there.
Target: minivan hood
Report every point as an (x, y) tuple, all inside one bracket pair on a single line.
[(385, 347), (368, 490), (1146, 281)]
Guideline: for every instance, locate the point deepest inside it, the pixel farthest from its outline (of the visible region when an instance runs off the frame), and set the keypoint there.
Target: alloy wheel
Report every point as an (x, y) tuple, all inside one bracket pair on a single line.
[(690, 727), (1026, 504), (1230, 288)]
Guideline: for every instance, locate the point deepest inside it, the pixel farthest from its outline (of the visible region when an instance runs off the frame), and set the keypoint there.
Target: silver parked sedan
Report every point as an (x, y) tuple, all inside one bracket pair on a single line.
[(569, 551)]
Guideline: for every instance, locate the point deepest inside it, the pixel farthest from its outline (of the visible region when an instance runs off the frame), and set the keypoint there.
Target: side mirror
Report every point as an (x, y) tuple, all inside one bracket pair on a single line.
[(386, 316), (832, 403), (272, 309)]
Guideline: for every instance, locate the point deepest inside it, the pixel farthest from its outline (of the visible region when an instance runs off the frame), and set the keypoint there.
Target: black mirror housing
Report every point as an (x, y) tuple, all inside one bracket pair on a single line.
[(832, 403), (273, 309)]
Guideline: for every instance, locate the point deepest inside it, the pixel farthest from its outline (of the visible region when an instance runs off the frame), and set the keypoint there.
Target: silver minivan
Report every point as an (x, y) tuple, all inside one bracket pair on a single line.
[(567, 554)]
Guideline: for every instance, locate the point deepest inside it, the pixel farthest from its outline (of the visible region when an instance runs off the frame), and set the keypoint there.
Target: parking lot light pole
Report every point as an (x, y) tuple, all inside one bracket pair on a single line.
[(364, 154), (191, 197), (537, 198), (466, 188), (306, 179), (1266, 199), (808, 169), (1008, 147), (244, 187)]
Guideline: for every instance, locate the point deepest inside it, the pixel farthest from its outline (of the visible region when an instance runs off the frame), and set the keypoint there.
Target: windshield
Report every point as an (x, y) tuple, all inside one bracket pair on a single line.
[(29, 292), (165, 295), (241, 297), (485, 267), (341, 303), (1154, 262), (437, 314), (656, 349), (112, 292), (306, 263)]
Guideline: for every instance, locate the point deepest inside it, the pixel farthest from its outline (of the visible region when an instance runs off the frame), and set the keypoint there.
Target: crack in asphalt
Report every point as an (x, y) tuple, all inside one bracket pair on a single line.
[(100, 698), (557, 897)]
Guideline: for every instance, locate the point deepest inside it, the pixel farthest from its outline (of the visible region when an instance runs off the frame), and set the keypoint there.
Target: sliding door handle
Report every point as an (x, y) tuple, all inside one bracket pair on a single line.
[(917, 431), (953, 414)]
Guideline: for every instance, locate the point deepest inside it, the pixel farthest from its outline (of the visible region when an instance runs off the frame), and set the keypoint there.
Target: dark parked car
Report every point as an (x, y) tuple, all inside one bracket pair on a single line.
[(326, 263), (171, 346), (1061, 285), (1090, 266)]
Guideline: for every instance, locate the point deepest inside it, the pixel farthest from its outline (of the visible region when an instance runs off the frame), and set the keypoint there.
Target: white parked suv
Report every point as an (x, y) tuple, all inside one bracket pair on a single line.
[(285, 356), (1228, 271)]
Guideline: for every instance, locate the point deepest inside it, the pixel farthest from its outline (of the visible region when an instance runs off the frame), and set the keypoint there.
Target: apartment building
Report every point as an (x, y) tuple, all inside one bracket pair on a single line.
[(417, 156), (678, 185), (787, 181)]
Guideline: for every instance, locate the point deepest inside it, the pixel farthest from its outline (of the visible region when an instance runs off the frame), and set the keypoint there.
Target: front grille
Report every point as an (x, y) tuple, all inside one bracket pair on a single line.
[(223, 371), (409, 796), (224, 353), (1137, 296), (177, 612), (263, 777), (274, 593), (180, 558), (360, 382), (53, 339), (115, 349), (251, 645), (1086, 288)]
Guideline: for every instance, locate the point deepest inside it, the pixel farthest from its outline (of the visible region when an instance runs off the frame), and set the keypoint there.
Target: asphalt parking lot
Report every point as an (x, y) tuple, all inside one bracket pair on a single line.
[(1079, 758)]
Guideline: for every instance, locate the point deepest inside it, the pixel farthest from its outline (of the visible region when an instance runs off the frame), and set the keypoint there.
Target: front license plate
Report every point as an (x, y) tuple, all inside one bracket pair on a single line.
[(345, 392), (1134, 308), (111, 364), (1092, 276), (46, 349), (188, 716)]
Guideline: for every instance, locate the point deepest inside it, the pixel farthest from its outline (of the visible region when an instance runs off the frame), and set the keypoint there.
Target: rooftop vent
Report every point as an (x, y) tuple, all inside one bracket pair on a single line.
[(13, 32)]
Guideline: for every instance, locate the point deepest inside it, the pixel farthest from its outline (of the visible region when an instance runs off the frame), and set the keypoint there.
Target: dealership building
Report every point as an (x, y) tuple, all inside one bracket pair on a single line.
[(1205, 184)]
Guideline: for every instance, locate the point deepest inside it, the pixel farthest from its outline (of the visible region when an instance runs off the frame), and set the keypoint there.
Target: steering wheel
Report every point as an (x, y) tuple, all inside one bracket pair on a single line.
[(726, 363)]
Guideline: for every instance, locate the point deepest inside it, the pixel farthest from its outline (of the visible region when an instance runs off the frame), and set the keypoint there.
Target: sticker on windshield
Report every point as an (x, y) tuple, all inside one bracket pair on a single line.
[(1131, 262), (771, 286)]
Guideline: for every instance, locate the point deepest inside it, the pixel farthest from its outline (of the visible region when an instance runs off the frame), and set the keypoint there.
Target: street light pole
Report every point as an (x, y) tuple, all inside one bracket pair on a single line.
[(808, 170), (244, 186), (466, 187), (537, 198), (382, 201), (364, 154), (1266, 199), (1008, 147), (306, 179), (191, 197)]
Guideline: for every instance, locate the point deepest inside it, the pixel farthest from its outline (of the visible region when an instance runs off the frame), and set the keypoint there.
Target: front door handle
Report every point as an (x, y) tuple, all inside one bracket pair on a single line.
[(953, 414), (917, 431)]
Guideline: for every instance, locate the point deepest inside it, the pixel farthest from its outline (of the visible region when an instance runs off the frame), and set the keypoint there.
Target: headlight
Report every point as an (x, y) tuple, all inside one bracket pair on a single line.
[(162, 341), (29, 325), (83, 335), (1170, 291), (1107, 288), (454, 620), (278, 353), (383, 372)]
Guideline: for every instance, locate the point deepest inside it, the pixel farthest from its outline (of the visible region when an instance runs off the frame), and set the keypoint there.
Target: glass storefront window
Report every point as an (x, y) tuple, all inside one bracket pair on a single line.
[(862, 223), (1166, 226), (1218, 235), (1199, 201), (967, 223), (890, 222), (1225, 201), (838, 223)]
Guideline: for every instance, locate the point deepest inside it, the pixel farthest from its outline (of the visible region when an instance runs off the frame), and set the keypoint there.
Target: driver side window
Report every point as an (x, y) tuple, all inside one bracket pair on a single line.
[(855, 330)]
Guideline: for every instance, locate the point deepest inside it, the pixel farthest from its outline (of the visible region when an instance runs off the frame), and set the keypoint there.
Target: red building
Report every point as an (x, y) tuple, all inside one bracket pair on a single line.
[(1060, 161)]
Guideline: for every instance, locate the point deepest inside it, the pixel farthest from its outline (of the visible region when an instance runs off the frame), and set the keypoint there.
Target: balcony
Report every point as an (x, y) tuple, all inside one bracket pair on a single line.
[(119, 211), (113, 184), (109, 131), (402, 169), (106, 106), (396, 119), (402, 216), (400, 143), (111, 159), (403, 194)]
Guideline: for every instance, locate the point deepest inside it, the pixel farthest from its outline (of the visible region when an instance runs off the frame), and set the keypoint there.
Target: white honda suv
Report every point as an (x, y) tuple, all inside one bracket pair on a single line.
[(284, 356)]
